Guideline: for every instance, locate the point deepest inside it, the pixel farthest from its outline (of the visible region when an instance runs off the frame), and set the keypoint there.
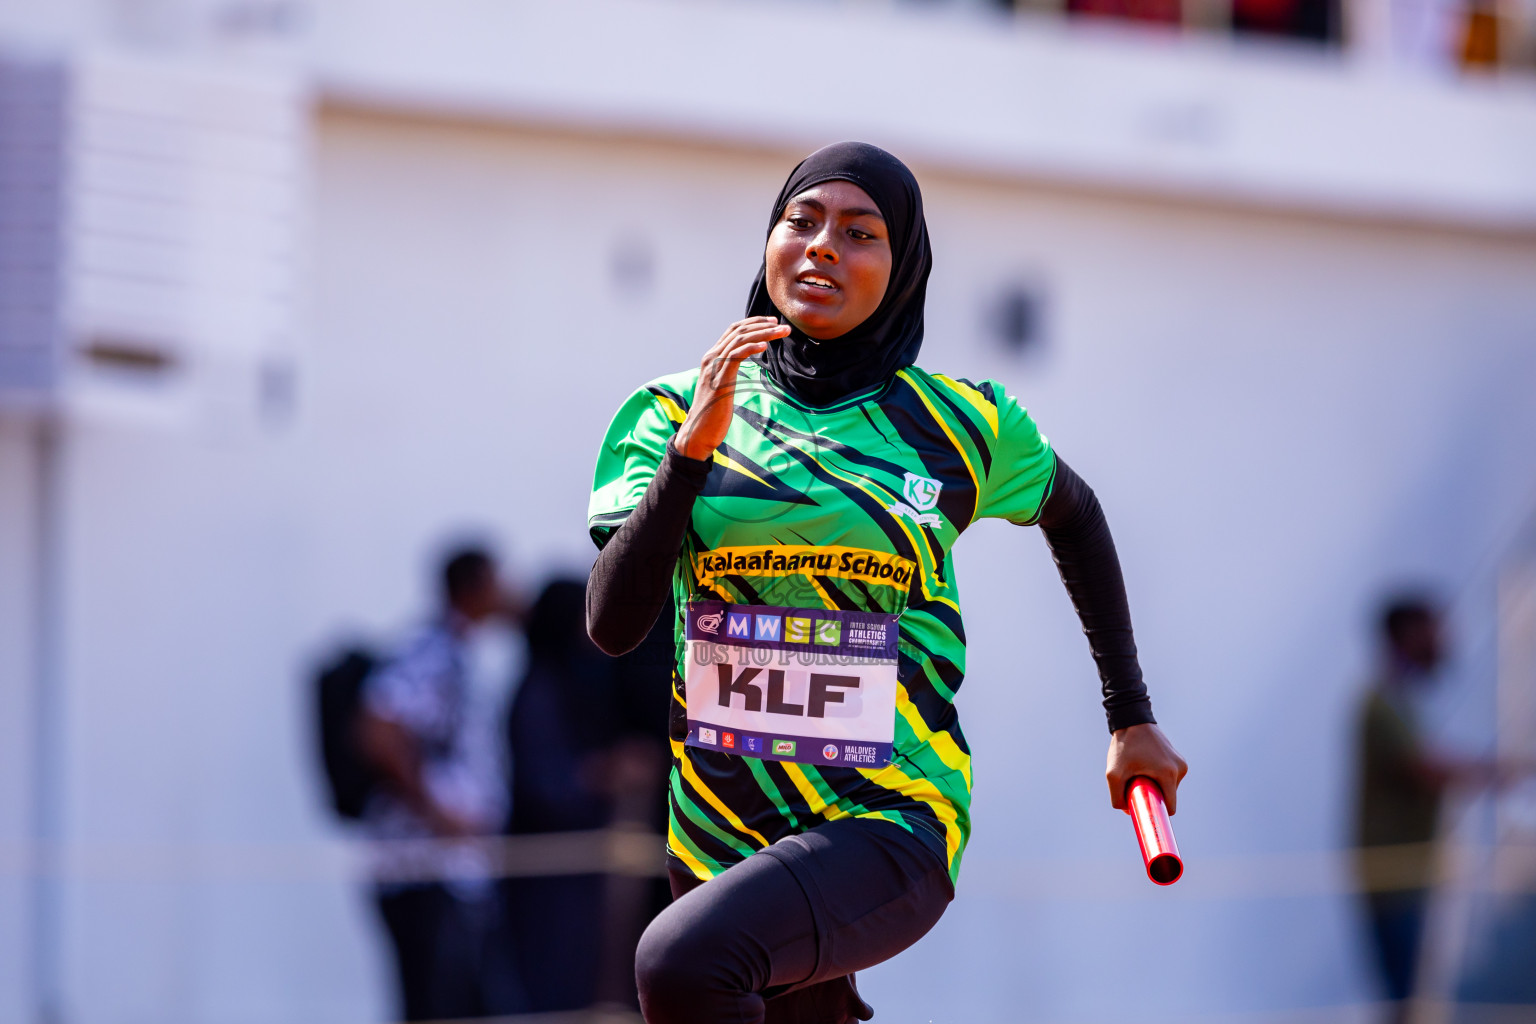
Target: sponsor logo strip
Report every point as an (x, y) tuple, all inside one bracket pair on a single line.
[(801, 749), (822, 632)]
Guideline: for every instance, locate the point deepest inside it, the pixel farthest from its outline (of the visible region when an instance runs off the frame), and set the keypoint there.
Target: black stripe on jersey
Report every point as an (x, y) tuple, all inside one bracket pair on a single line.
[(921, 429), (877, 512), (985, 387), (763, 424), (922, 817), (790, 793), (604, 525), (692, 545), (970, 428), (708, 593), (870, 601), (661, 392), (725, 482), (871, 420), (936, 552), (840, 599), (610, 518), (945, 614), (937, 709), (1045, 495), (748, 595), (849, 787), (699, 835)]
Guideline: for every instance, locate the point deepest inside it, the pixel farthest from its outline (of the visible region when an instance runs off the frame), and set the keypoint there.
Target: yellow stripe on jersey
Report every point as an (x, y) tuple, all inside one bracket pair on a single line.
[(919, 543), (976, 399), (943, 743), (730, 463), (897, 781), (813, 797), (674, 412), (937, 418), (692, 775), (677, 848)]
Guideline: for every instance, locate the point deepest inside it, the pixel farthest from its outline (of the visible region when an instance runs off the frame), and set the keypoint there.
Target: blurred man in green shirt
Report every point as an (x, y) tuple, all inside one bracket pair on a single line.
[(1402, 781)]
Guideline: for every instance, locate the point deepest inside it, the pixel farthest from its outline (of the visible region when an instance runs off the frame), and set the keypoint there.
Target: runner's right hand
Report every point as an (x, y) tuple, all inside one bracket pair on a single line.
[(714, 401)]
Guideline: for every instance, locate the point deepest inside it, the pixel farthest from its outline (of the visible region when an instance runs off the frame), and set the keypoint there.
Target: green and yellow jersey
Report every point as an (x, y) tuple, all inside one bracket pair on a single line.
[(853, 507)]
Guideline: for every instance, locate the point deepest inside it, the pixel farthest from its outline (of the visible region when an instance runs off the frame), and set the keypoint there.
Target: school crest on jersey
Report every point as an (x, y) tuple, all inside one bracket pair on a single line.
[(922, 494)]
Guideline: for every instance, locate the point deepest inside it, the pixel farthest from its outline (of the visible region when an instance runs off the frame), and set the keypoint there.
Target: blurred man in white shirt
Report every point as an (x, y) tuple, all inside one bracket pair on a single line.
[(443, 782)]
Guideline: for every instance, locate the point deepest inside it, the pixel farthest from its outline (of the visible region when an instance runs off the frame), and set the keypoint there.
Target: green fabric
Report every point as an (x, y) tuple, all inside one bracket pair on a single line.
[(855, 506), (1397, 801)]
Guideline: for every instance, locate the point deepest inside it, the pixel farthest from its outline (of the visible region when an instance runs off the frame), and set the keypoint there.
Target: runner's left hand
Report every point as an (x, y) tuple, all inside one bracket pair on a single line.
[(1143, 750)]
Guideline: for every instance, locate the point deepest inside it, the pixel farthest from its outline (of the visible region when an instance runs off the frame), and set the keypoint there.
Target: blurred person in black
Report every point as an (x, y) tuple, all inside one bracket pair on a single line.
[(1402, 782), (1316, 20), (442, 780), (587, 735)]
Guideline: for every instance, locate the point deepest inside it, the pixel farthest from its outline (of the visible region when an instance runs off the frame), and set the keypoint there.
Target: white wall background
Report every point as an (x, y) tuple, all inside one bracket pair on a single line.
[(1280, 414)]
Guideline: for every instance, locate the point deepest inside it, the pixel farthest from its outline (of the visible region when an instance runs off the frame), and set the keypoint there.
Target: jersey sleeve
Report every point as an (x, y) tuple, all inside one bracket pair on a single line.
[(1023, 464), (632, 450)]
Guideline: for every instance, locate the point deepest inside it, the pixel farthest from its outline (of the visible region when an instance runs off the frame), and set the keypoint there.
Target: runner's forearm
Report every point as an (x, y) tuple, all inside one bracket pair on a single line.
[(1080, 542), (630, 580)]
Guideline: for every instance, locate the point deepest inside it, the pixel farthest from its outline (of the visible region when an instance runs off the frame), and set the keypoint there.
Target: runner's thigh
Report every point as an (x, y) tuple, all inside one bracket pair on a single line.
[(711, 955), (874, 889)]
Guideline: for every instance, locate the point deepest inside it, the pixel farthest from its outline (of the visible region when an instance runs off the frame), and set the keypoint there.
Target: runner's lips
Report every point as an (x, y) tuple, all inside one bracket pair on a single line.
[(820, 282)]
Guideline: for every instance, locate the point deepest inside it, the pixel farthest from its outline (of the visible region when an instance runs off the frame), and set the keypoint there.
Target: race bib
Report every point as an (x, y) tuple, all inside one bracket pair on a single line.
[(809, 685)]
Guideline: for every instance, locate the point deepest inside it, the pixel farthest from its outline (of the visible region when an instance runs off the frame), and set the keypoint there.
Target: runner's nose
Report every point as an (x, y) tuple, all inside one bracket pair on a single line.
[(821, 252)]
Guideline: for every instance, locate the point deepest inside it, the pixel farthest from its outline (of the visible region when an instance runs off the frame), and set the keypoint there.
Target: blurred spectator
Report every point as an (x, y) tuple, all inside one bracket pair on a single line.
[(1480, 32), (1318, 20), (1402, 779), (435, 752), (587, 735)]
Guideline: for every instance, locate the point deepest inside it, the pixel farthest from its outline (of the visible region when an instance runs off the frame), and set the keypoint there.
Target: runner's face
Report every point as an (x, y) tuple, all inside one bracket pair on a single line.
[(829, 259)]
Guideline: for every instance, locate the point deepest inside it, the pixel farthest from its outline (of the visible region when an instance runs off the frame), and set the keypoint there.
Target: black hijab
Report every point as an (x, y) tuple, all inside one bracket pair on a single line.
[(823, 372)]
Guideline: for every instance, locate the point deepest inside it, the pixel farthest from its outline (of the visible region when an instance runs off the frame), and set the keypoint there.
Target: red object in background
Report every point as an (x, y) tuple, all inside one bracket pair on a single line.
[(1271, 17), (1144, 803), (1158, 12)]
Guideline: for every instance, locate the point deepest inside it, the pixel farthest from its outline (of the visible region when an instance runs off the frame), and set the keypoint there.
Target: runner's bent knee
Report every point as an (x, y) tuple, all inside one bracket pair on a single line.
[(680, 961)]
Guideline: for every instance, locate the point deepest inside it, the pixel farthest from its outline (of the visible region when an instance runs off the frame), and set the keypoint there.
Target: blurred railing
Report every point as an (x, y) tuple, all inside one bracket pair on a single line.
[(1474, 36), (1506, 869)]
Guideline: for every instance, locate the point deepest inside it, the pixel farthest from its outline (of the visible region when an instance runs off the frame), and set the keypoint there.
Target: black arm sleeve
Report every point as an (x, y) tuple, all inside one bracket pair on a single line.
[(632, 577), (1078, 535)]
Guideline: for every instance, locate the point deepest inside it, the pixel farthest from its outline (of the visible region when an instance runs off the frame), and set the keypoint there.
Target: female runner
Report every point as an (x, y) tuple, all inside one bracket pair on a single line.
[(800, 493)]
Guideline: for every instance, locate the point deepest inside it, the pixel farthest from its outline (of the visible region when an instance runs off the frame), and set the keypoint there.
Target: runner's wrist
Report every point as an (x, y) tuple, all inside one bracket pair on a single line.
[(689, 467), (1124, 716)]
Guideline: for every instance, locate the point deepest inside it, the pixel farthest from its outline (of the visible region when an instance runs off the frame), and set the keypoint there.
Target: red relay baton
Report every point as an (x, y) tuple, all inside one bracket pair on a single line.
[(1144, 803)]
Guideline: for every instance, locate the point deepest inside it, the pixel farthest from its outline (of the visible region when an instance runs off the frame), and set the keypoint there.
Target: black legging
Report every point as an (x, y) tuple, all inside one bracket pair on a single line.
[(776, 938)]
